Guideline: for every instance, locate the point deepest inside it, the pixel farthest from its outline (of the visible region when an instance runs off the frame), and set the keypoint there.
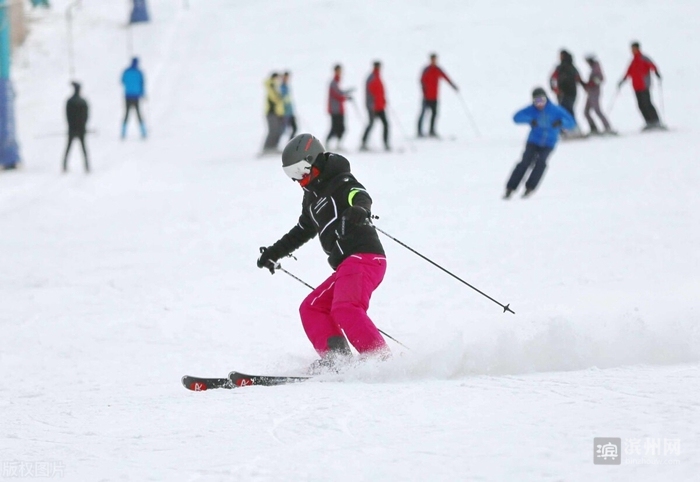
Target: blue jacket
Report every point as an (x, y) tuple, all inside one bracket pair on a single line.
[(287, 99), (133, 81), (544, 134)]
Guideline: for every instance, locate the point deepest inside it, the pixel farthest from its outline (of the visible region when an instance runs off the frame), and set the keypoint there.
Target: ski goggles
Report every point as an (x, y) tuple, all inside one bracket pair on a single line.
[(540, 101), (298, 170)]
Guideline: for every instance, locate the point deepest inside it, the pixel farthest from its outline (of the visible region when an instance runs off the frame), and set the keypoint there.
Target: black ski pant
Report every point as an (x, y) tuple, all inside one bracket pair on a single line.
[(71, 137), (646, 107), (432, 105), (275, 129), (337, 127), (292, 122), (533, 154), (382, 116), (132, 104), (567, 101)]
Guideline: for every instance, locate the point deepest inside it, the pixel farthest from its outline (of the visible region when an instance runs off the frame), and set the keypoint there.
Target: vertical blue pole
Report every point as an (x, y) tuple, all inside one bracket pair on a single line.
[(139, 12), (9, 150)]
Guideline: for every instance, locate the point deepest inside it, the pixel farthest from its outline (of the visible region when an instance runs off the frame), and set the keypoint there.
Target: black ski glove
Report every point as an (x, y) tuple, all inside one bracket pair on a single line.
[(355, 215), (556, 123), (267, 259), (533, 123)]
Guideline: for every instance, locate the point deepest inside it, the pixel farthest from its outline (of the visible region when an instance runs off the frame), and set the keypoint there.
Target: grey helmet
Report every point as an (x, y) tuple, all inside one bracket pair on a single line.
[(299, 155)]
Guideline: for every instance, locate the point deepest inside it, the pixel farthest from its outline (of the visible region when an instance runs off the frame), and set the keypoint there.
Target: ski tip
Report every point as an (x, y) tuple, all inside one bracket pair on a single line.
[(194, 384), (241, 380)]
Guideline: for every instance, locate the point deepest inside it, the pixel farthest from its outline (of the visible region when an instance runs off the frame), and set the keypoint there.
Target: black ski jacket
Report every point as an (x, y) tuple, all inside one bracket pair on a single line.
[(325, 200), (77, 115), (565, 78)]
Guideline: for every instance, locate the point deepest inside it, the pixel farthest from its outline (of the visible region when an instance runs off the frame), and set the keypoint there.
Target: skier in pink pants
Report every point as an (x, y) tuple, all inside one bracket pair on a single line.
[(337, 208)]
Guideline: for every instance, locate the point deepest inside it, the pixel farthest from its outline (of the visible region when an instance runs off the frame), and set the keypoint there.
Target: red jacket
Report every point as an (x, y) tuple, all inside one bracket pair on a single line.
[(430, 80), (640, 72), (376, 101)]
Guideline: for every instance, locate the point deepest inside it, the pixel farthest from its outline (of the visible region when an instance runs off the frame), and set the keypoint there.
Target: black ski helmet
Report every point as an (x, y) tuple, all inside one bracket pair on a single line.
[(299, 155)]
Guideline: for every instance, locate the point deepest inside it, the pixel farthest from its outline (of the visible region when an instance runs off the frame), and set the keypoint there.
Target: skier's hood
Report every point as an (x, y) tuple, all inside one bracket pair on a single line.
[(566, 57), (135, 63)]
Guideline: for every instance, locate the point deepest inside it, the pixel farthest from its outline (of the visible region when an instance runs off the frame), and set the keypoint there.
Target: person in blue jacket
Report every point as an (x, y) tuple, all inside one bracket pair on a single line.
[(546, 120), (134, 90), (290, 119)]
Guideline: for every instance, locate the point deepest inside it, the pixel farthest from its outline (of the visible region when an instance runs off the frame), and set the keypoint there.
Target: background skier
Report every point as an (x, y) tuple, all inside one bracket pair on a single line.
[(77, 116), (564, 82), (336, 207), (336, 106), (289, 118), (134, 89), (593, 88), (546, 120), (274, 113), (639, 71), (376, 103), (429, 81)]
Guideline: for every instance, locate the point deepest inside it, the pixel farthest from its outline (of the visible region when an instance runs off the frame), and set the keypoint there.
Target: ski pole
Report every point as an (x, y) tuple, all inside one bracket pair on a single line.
[(469, 114), (401, 129), (661, 94), (612, 102), (505, 307), (357, 110), (279, 267), (62, 134)]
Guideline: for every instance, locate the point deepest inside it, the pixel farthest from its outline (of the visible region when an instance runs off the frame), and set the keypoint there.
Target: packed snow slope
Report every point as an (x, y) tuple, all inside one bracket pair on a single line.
[(114, 285)]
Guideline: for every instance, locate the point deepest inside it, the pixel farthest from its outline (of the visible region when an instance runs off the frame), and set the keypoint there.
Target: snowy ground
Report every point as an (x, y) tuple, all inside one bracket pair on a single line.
[(113, 286)]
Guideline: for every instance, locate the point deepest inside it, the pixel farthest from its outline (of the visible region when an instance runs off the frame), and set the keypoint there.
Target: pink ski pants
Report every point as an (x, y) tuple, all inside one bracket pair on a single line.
[(340, 305)]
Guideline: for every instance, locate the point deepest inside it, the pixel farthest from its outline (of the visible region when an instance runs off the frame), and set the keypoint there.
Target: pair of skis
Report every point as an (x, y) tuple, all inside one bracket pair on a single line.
[(237, 380)]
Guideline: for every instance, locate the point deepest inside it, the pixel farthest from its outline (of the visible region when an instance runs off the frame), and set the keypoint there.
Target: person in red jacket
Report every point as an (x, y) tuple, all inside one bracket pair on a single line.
[(376, 103), (336, 106), (429, 81), (639, 71)]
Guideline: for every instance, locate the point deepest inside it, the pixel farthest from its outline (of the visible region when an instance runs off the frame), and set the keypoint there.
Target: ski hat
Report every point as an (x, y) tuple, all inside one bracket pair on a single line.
[(299, 156), (539, 92), (590, 57)]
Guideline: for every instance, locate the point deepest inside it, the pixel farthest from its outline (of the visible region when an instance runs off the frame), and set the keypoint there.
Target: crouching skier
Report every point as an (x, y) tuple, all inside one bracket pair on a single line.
[(545, 119), (337, 208)]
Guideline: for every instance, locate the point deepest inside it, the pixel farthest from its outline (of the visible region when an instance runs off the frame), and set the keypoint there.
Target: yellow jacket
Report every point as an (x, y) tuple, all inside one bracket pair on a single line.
[(274, 103)]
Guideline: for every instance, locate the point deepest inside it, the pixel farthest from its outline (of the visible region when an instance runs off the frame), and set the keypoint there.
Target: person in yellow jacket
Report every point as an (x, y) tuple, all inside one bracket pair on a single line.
[(274, 112)]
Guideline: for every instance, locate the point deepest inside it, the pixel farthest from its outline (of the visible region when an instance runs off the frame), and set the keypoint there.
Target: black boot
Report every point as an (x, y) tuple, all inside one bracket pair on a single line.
[(337, 356)]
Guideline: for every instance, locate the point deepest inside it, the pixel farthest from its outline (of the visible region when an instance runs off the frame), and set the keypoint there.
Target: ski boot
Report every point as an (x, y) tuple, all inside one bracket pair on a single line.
[(337, 356)]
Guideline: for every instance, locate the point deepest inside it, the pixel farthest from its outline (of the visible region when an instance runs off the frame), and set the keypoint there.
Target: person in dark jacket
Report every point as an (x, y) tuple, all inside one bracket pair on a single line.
[(429, 81), (77, 116), (336, 105), (376, 103), (639, 71), (337, 209), (546, 120), (134, 90), (564, 82), (593, 88)]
